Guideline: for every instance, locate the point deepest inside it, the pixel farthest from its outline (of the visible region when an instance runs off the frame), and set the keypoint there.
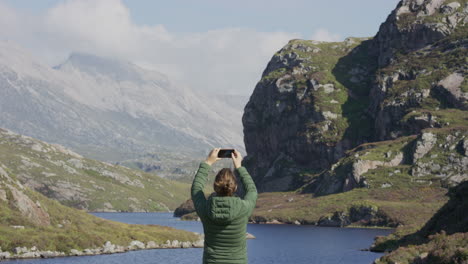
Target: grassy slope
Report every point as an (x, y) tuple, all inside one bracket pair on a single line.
[(73, 229), (406, 206), (86, 183), (443, 239)]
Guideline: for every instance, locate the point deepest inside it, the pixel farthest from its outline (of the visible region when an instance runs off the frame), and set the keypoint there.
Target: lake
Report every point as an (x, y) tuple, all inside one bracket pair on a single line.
[(275, 244)]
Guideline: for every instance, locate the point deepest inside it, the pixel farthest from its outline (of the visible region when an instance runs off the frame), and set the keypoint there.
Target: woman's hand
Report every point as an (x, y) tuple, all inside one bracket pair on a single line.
[(236, 159), (213, 156)]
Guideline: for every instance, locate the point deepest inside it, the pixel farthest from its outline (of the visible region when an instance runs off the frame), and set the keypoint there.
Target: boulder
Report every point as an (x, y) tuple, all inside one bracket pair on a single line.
[(185, 208), (424, 145), (450, 88), (337, 219), (199, 243), (75, 252), (465, 147), (175, 244), (5, 255), (249, 236), (152, 244), (108, 248), (186, 244), (449, 8), (135, 244)]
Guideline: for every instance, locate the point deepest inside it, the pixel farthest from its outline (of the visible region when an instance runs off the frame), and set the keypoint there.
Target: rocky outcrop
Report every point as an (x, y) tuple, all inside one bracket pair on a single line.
[(415, 43), (186, 208), (362, 166), (441, 155), (415, 24), (28, 208), (424, 145), (13, 192), (436, 156), (450, 87), (362, 215)]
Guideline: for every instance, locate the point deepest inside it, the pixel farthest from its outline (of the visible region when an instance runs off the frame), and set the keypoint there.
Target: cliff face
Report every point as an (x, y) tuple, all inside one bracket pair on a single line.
[(316, 100), (307, 110)]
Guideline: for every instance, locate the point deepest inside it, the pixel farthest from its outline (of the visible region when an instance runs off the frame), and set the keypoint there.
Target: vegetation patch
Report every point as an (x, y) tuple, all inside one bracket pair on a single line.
[(74, 229)]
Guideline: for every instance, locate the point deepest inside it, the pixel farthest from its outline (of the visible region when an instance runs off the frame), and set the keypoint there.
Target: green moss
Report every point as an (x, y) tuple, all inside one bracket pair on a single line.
[(443, 117), (276, 74)]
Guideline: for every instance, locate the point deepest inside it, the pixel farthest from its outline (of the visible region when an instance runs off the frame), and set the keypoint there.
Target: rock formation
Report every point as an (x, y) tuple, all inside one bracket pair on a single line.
[(318, 100)]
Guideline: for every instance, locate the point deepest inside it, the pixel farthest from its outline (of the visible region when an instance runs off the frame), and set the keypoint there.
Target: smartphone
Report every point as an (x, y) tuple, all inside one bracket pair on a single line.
[(225, 153)]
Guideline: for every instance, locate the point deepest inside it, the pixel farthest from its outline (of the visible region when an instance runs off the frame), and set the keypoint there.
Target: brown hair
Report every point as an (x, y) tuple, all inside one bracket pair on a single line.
[(225, 183)]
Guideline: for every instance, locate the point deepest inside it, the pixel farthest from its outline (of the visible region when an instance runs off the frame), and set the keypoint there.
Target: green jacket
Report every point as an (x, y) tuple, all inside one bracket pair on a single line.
[(224, 219)]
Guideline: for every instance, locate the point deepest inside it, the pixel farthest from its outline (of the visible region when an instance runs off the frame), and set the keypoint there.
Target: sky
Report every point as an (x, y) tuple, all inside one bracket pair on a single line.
[(220, 46)]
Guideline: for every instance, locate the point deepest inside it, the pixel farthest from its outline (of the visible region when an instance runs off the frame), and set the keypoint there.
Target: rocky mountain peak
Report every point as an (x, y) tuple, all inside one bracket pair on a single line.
[(112, 68), (415, 24)]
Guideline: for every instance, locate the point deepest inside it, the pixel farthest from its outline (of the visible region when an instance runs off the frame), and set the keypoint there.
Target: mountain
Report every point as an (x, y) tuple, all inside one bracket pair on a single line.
[(33, 226), (110, 109), (83, 183), (317, 101)]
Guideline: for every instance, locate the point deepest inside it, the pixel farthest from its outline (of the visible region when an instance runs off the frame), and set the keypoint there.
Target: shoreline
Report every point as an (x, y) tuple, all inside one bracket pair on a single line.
[(302, 223), (108, 248)]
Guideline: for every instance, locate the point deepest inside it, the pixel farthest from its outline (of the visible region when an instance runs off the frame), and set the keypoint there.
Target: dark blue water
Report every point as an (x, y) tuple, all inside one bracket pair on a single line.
[(275, 244)]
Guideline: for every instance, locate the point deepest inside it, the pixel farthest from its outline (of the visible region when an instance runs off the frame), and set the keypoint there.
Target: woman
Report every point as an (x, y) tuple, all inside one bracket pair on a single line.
[(224, 216)]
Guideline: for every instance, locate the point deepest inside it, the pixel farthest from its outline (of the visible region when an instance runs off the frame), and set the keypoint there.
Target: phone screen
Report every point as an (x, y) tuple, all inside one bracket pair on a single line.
[(225, 153)]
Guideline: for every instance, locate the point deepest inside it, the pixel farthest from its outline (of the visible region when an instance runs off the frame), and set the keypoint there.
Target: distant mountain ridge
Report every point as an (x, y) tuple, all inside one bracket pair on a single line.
[(110, 109)]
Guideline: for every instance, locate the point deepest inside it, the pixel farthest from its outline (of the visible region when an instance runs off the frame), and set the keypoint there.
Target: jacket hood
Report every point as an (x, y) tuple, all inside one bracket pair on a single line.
[(224, 209)]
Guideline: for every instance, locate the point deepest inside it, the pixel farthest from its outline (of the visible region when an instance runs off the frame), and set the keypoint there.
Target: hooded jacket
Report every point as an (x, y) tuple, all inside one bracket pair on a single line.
[(224, 219)]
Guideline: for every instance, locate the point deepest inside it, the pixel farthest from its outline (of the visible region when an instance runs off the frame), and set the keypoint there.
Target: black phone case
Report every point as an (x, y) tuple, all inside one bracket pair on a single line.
[(225, 153)]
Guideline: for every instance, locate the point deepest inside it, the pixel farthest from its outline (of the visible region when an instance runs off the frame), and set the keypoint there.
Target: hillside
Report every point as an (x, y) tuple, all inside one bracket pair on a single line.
[(73, 180), (33, 226), (443, 239)]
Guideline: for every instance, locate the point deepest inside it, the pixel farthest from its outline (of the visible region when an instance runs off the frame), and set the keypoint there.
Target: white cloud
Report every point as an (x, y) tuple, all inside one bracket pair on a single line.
[(228, 59), (323, 34)]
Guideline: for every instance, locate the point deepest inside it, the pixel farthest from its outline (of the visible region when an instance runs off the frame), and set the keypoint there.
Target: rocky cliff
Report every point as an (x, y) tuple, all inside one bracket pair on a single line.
[(317, 101)]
